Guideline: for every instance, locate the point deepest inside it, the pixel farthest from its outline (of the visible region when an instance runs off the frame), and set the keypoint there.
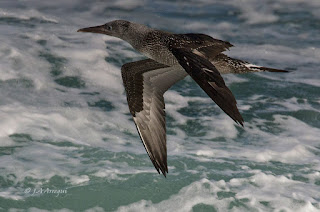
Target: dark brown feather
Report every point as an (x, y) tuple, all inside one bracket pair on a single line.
[(205, 44), (133, 81), (210, 80)]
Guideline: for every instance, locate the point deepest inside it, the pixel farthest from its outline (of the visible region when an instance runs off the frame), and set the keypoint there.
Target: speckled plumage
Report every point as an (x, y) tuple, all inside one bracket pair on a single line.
[(172, 57)]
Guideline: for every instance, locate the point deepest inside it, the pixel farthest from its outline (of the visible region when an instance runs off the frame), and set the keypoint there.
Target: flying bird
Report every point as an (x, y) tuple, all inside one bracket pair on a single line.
[(171, 57)]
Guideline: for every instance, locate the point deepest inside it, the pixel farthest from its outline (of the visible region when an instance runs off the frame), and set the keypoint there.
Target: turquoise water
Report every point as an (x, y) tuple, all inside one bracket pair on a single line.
[(68, 141)]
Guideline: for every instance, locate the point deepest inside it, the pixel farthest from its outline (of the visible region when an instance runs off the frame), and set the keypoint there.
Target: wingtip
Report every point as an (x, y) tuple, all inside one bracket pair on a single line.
[(236, 116), (164, 174), (164, 171), (239, 122), (161, 169)]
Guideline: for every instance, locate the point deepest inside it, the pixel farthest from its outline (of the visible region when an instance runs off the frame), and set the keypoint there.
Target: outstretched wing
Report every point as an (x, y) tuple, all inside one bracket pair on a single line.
[(210, 80), (145, 82), (201, 44)]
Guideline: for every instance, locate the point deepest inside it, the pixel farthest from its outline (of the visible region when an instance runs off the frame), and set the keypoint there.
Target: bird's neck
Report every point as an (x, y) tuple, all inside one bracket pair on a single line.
[(136, 34)]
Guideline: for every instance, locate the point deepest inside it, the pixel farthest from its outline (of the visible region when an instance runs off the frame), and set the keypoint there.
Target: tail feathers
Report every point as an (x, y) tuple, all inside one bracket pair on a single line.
[(256, 68), (226, 65)]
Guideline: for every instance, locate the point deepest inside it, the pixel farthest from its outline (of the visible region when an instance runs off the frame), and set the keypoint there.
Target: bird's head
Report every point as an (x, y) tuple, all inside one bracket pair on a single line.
[(117, 28)]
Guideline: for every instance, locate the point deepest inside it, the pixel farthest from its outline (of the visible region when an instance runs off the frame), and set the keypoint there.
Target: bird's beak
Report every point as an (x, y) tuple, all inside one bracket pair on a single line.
[(96, 29)]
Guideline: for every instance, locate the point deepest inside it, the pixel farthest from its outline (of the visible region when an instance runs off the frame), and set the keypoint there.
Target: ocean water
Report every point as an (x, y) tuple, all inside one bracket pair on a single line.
[(67, 139)]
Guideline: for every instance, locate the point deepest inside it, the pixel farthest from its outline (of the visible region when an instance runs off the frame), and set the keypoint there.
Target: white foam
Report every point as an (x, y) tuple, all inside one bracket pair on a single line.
[(202, 191), (128, 4), (313, 176), (290, 146), (295, 104), (277, 54), (272, 188), (119, 171), (279, 191), (223, 127), (255, 12), (101, 74), (27, 15)]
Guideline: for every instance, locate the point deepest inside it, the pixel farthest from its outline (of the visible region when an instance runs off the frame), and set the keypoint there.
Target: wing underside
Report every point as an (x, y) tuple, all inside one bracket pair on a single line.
[(145, 82)]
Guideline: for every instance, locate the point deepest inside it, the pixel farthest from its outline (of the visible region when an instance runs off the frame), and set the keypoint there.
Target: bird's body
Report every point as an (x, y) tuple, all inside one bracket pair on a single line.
[(171, 58)]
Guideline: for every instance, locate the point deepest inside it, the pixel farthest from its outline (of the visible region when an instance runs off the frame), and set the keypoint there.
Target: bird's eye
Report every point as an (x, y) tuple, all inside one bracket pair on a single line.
[(109, 27)]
